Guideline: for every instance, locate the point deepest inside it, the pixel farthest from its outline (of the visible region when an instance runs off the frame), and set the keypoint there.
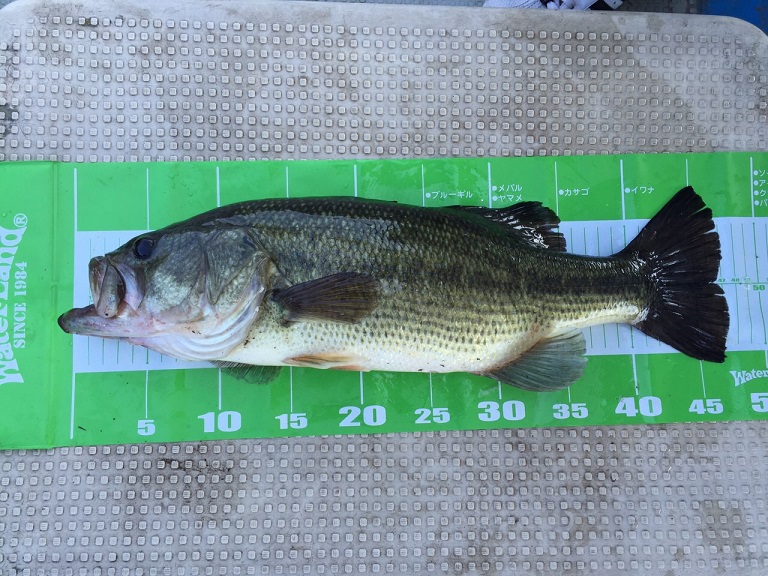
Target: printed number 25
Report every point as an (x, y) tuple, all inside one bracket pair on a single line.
[(430, 415)]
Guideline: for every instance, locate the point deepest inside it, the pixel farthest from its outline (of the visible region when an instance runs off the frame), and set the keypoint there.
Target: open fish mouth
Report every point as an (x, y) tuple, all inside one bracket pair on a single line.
[(116, 296), (107, 286)]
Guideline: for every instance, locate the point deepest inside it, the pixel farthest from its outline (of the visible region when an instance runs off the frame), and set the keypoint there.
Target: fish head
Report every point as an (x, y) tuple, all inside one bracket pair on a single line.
[(191, 292)]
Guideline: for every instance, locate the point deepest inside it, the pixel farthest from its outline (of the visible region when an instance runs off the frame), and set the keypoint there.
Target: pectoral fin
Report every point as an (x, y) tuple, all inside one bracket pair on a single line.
[(249, 373), (343, 297), (551, 364)]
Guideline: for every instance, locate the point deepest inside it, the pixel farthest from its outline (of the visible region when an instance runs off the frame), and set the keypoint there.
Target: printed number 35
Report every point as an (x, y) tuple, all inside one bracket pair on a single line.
[(563, 411)]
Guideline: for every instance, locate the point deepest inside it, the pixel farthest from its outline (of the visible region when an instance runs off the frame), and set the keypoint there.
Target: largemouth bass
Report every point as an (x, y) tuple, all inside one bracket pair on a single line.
[(357, 284)]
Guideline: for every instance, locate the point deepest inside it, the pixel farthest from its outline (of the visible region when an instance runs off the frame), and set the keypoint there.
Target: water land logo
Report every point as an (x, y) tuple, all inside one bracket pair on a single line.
[(13, 313), (743, 376)]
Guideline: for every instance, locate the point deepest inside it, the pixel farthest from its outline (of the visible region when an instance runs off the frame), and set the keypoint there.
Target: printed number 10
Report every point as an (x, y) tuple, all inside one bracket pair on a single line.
[(223, 422)]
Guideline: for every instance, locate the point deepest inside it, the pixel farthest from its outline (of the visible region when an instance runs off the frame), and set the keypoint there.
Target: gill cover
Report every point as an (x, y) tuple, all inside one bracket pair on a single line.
[(235, 275), (231, 257)]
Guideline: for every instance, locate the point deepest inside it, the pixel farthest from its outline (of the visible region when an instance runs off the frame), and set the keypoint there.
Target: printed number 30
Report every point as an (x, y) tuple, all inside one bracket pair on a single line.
[(511, 410)]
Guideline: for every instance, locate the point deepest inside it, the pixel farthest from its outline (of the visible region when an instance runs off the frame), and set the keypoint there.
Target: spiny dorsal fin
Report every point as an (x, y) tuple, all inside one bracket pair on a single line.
[(551, 364), (530, 222), (249, 373), (344, 297)]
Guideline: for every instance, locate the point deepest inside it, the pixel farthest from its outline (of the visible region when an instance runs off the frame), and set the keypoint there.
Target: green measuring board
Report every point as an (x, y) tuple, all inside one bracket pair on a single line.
[(58, 390)]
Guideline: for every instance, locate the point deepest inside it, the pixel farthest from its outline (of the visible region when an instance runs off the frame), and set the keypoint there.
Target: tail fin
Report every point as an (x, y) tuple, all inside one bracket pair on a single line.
[(681, 255)]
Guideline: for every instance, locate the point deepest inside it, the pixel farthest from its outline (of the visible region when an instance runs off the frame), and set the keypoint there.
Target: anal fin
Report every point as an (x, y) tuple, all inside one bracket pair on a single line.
[(248, 372), (552, 364)]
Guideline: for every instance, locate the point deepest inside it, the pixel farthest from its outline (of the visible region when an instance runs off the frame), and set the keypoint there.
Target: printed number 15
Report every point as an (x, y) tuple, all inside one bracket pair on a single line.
[(296, 420)]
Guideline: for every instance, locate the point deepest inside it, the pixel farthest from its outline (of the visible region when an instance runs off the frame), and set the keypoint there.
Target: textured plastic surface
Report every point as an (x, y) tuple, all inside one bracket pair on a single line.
[(106, 82), (63, 390), (672, 500), (642, 500)]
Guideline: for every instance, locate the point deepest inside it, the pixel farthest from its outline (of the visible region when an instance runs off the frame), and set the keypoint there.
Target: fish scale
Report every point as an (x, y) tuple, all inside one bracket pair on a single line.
[(448, 296)]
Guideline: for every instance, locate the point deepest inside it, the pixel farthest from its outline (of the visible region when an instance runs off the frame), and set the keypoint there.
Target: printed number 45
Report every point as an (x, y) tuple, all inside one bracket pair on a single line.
[(706, 406)]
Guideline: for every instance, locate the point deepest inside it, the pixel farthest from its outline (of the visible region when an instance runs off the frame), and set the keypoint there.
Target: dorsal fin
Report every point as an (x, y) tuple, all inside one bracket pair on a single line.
[(530, 222)]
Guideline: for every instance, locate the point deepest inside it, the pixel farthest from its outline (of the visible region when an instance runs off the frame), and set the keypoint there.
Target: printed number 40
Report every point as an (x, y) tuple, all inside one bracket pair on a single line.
[(645, 406)]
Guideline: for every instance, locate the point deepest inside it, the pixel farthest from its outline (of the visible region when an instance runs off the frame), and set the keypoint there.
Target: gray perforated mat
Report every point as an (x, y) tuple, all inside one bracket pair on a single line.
[(95, 81), (650, 500)]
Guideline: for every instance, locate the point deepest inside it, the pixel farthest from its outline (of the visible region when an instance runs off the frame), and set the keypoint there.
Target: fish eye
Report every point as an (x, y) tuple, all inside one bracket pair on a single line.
[(143, 247)]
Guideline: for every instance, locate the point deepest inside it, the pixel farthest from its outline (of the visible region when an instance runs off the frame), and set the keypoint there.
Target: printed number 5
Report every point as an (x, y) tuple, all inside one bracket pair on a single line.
[(760, 401), (146, 427)]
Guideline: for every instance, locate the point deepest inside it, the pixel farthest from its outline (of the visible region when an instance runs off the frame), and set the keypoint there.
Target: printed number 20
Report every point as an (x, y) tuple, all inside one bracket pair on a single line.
[(372, 415)]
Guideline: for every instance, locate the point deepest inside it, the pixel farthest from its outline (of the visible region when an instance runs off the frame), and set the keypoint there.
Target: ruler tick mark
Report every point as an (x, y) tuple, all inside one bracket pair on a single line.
[(219, 371), (218, 187)]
